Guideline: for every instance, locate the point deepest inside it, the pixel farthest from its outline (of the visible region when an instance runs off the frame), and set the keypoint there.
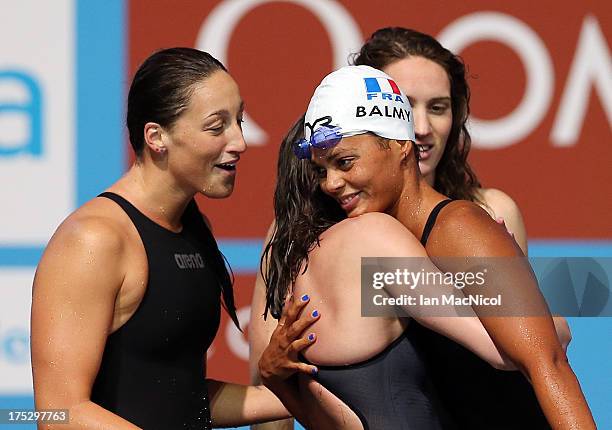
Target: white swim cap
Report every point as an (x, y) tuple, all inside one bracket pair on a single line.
[(355, 100)]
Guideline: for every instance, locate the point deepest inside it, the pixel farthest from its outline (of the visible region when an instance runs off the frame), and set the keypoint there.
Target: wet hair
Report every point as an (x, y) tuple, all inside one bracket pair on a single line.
[(160, 92), (454, 176), (302, 212), (162, 88)]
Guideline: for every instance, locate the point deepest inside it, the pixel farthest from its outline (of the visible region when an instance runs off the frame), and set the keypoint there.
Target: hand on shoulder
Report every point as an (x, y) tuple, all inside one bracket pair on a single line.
[(501, 205)]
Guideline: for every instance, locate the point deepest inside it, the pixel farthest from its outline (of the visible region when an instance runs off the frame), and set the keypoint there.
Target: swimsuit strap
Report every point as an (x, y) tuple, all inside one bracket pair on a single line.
[(431, 220)]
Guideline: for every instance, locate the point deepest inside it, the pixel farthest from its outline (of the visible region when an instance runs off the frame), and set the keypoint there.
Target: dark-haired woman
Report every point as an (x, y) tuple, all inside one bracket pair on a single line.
[(434, 80), (127, 296)]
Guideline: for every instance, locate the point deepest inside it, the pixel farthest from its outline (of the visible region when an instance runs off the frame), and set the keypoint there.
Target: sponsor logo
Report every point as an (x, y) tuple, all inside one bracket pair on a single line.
[(189, 261), (20, 114)]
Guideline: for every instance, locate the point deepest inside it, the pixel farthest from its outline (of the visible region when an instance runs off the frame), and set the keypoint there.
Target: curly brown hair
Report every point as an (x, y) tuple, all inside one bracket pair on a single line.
[(454, 176)]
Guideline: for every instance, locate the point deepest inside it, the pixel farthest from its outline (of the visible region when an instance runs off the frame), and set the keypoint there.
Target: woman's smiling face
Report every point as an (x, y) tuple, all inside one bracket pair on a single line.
[(362, 173)]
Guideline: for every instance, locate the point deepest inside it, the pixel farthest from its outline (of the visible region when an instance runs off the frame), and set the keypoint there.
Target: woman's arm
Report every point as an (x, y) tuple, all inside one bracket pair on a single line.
[(233, 405), (380, 235), (260, 331), (76, 283), (507, 213), (527, 338), (279, 362)]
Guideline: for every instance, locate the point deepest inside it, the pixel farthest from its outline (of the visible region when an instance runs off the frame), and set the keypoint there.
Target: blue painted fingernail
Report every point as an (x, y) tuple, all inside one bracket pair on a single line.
[(314, 371), (315, 313), (311, 337), (305, 297)]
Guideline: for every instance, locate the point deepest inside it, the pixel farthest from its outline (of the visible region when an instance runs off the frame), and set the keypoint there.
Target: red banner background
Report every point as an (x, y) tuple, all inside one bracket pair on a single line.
[(280, 50)]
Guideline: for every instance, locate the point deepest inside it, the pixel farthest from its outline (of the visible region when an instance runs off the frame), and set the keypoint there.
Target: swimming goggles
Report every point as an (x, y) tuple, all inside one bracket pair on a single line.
[(324, 137)]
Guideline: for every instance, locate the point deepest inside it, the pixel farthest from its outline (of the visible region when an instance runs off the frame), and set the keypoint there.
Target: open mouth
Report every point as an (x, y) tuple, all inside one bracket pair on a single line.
[(345, 200), (424, 151), (349, 202), (230, 167), (424, 148)]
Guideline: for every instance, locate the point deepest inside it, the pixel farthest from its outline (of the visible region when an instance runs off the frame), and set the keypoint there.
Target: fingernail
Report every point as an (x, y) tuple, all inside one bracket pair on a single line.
[(311, 337), (314, 371), (305, 297), (315, 313)]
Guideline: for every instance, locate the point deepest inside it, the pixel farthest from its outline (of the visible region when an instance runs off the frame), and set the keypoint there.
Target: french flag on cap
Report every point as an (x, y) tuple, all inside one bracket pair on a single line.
[(381, 85)]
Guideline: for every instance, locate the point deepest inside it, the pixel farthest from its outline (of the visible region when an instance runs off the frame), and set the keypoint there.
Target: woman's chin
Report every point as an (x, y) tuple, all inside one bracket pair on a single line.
[(425, 167)]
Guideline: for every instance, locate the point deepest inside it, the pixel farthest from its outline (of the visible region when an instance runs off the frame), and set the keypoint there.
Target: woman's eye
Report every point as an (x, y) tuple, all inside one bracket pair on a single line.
[(439, 109), (216, 128), (344, 163)]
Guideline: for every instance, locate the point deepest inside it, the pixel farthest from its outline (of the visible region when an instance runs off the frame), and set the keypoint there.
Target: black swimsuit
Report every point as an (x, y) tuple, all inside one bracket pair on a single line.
[(393, 389), (388, 391), (475, 395), (152, 371)]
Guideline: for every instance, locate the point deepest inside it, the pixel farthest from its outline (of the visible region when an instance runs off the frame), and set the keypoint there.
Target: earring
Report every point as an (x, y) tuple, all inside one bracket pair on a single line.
[(160, 149)]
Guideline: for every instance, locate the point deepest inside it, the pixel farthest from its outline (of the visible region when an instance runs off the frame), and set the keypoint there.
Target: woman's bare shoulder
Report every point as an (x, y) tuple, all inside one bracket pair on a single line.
[(464, 228), (498, 202), (371, 234), (99, 225)]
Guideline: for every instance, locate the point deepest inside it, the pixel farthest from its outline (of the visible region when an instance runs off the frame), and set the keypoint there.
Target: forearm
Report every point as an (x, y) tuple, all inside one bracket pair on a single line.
[(532, 345), (559, 394), (87, 415), (237, 405), (288, 391), (274, 425), (470, 333)]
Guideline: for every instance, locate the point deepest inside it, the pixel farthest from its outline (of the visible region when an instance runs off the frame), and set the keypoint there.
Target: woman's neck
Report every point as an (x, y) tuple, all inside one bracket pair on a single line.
[(154, 194), (417, 202), (430, 178)]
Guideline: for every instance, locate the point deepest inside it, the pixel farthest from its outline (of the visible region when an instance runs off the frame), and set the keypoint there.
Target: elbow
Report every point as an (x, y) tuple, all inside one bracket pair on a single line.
[(545, 365)]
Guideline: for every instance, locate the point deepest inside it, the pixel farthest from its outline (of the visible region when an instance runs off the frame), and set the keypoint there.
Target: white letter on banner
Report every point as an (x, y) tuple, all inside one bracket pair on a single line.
[(216, 31), (503, 132), (235, 340), (592, 66)]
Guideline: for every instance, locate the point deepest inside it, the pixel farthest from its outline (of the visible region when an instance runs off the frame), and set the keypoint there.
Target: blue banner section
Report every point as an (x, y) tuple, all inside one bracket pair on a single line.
[(243, 254), (570, 248), (101, 57)]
